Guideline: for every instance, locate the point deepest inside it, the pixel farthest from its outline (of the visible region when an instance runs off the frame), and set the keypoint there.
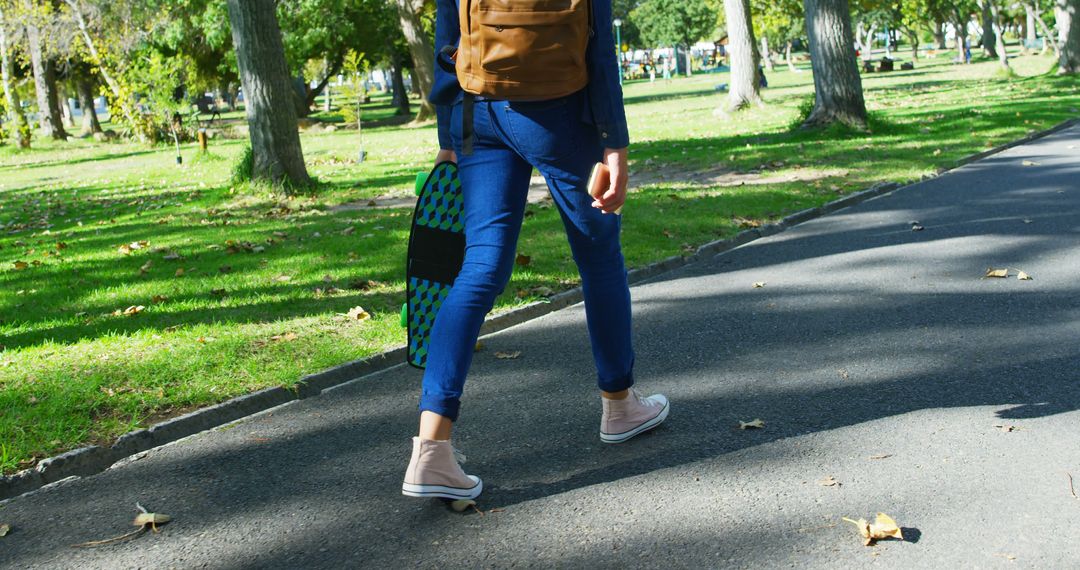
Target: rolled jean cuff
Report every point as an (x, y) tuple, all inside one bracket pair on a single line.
[(445, 407), (617, 384)]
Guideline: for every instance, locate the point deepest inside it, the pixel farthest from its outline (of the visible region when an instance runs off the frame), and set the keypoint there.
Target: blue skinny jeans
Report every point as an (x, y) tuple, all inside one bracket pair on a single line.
[(510, 138)]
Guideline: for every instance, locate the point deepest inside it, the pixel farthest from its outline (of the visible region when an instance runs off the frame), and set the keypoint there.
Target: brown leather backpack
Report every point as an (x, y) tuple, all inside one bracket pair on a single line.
[(523, 50)]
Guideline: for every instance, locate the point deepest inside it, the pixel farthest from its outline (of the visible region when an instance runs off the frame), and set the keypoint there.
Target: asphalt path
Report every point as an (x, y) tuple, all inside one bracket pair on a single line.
[(877, 356)]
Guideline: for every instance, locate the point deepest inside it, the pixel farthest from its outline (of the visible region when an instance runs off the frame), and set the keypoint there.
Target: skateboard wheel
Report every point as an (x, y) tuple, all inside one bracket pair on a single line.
[(461, 505), (404, 315), (421, 178)]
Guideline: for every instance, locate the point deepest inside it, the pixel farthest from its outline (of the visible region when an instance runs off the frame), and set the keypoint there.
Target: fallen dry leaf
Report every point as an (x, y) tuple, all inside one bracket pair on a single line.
[(4, 529), (523, 260), (1008, 557), (159, 298), (507, 355), (145, 520), (881, 456), (146, 267), (754, 424), (479, 346), (991, 272), (358, 314), (1072, 490), (20, 265), (134, 310), (1006, 427), (179, 272), (882, 527), (283, 278), (1023, 276), (829, 482), (1029, 163), (287, 337), (917, 228), (759, 284)]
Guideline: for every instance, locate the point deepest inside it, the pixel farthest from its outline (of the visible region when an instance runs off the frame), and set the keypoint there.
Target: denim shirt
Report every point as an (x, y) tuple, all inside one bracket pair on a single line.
[(605, 103)]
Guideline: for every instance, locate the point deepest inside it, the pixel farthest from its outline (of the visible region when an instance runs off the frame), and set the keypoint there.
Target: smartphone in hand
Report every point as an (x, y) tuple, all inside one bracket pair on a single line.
[(600, 181)]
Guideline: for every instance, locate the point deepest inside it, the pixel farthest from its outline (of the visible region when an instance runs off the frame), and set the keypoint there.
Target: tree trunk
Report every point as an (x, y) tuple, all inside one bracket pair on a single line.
[(989, 41), (332, 69), (868, 45), (401, 97), (126, 104), (961, 37), (1068, 12), (328, 100), (766, 54), (913, 38), (838, 94), (939, 35), (999, 36), (1029, 27), (90, 124), (423, 53), (1048, 38), (67, 109), (16, 121), (745, 73), (787, 56), (268, 93), (49, 119)]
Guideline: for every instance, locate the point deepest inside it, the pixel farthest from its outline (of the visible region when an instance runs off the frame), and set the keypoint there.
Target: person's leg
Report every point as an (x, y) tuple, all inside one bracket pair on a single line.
[(495, 183), (551, 136)]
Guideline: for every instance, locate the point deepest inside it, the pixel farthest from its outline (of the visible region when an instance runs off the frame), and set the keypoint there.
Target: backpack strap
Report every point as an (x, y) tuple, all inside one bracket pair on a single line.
[(467, 103)]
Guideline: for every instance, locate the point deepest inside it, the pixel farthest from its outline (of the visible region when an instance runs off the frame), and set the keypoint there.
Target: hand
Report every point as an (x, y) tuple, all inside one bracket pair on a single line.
[(444, 155), (611, 202)]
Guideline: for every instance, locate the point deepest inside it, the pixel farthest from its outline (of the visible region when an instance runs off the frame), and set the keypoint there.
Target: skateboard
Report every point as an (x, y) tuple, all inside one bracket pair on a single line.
[(436, 252)]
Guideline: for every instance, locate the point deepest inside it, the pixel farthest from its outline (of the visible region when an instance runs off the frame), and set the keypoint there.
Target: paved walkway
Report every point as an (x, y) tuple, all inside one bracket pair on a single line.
[(876, 355)]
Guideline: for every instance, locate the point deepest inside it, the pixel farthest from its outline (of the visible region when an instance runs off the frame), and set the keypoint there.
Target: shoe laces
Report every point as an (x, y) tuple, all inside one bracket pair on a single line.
[(459, 456)]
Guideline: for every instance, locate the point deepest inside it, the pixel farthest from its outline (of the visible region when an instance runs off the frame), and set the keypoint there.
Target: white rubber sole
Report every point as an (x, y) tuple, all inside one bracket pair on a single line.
[(621, 437), (443, 492)]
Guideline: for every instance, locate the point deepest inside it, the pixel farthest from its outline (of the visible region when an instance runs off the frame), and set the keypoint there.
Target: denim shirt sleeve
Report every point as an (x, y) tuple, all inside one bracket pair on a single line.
[(445, 89), (604, 91)]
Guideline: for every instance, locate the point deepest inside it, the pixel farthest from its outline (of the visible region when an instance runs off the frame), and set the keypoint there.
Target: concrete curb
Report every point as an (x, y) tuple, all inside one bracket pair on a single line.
[(95, 459)]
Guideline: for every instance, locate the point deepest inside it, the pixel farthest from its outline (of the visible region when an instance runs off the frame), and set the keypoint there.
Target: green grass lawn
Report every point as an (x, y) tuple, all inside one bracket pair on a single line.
[(242, 289)]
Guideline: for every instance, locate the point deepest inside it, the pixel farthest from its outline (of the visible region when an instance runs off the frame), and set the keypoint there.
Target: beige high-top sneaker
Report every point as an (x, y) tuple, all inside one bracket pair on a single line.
[(623, 419), (434, 472)]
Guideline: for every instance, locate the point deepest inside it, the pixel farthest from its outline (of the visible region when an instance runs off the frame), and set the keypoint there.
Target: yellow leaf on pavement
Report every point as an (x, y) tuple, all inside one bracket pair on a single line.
[(991, 272), (1023, 276), (882, 527), (508, 355), (759, 284), (829, 482), (754, 424)]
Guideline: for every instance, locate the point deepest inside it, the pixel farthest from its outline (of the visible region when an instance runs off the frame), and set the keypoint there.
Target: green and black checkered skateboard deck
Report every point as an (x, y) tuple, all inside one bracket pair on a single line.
[(436, 251)]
